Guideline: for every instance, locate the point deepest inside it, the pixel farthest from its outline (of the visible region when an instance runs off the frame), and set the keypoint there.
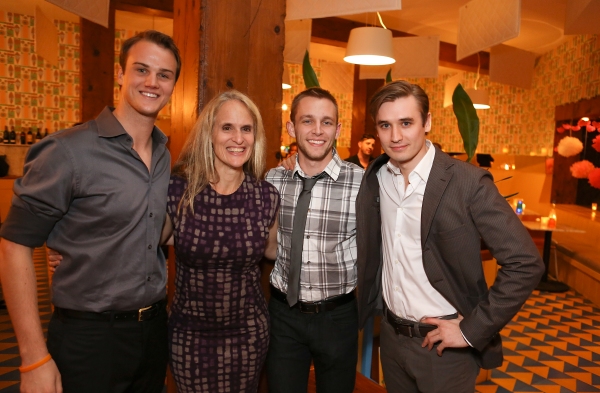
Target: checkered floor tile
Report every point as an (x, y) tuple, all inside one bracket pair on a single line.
[(550, 346)]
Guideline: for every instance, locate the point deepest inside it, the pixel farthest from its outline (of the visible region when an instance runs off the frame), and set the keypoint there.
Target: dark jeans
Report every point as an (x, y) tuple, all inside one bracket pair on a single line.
[(409, 368), (110, 357), (329, 339)]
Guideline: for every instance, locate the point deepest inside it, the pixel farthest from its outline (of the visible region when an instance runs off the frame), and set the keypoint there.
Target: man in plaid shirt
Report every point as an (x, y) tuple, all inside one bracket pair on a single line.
[(322, 325)]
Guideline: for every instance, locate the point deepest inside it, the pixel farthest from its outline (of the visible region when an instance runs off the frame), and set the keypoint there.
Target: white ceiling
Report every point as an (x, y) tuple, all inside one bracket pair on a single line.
[(542, 21)]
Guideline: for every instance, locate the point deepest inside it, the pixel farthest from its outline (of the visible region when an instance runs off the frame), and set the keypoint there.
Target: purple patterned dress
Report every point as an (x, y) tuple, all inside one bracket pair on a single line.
[(219, 324)]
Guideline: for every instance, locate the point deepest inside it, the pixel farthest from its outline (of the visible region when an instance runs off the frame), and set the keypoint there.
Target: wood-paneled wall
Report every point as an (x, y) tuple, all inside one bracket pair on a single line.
[(97, 51), (236, 44)]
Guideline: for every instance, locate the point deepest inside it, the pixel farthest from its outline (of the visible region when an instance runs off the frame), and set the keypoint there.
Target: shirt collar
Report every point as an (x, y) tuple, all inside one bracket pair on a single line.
[(109, 127), (423, 168), (332, 169)]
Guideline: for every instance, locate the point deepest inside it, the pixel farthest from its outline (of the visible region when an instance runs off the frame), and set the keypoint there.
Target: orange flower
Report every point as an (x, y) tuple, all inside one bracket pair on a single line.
[(596, 143), (560, 130), (581, 169), (575, 128), (590, 128), (594, 178), (566, 126), (582, 122)]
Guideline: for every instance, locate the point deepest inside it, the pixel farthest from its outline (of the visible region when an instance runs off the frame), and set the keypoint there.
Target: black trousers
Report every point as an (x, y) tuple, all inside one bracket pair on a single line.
[(329, 339), (110, 356)]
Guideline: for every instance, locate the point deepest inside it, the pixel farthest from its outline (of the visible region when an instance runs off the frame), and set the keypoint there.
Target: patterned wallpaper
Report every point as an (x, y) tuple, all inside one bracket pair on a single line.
[(521, 121), (34, 93)]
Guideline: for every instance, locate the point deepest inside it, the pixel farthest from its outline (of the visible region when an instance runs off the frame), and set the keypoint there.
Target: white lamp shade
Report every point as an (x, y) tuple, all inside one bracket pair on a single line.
[(480, 98), (370, 46), (286, 83)]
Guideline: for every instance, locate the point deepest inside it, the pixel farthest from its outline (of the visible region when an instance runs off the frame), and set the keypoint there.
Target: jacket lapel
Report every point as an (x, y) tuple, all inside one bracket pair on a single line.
[(437, 182)]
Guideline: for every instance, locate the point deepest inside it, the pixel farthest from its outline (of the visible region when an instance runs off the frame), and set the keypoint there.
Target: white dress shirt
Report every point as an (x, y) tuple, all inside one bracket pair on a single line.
[(406, 288)]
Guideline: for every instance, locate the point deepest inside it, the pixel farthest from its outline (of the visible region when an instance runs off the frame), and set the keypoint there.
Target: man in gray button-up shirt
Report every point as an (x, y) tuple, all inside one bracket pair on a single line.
[(97, 194)]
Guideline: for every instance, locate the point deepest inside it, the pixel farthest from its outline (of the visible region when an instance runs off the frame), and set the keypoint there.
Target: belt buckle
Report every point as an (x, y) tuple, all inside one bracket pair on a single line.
[(308, 308), (141, 310)]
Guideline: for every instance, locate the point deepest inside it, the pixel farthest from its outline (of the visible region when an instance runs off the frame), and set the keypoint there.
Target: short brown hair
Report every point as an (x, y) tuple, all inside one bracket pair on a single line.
[(315, 92), (399, 89), (156, 37)]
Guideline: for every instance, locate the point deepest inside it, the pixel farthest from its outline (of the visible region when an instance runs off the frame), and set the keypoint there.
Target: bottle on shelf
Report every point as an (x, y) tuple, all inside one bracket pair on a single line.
[(30, 137), (46, 133), (38, 135), (23, 137), (5, 135), (552, 216), (12, 136)]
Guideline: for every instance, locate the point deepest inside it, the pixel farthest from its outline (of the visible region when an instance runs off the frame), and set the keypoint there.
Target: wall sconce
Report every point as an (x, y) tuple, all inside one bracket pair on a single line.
[(370, 46)]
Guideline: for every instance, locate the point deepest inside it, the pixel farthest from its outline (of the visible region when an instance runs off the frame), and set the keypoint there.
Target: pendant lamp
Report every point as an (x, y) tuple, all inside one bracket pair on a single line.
[(480, 98), (370, 46), (286, 83)]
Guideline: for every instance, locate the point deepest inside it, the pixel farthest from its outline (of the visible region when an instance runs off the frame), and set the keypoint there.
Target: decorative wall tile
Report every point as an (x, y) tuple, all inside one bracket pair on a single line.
[(34, 93)]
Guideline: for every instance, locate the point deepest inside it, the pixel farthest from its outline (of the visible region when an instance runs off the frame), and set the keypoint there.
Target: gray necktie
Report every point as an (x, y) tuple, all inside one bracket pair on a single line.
[(293, 289)]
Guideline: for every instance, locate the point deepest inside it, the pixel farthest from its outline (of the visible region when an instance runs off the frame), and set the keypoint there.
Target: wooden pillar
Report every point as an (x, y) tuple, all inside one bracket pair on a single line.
[(236, 44), (361, 119), (97, 51)]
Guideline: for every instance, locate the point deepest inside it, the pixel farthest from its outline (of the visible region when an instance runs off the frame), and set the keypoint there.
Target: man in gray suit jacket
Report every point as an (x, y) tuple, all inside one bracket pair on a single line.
[(421, 219)]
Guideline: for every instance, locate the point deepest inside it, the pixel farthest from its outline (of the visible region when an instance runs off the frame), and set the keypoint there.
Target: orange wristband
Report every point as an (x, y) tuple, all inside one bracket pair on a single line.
[(35, 365)]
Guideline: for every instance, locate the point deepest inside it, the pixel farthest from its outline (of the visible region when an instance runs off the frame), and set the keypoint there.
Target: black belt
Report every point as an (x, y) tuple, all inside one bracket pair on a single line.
[(409, 328), (140, 315), (314, 307)]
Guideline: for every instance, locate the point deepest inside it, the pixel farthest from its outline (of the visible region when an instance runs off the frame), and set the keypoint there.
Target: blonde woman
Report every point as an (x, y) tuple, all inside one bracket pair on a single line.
[(224, 220)]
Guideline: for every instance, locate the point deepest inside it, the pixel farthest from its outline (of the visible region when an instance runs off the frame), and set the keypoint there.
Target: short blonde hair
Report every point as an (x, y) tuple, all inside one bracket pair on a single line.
[(196, 162)]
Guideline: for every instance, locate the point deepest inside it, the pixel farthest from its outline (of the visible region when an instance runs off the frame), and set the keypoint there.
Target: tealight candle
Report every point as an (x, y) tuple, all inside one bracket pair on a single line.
[(594, 206)]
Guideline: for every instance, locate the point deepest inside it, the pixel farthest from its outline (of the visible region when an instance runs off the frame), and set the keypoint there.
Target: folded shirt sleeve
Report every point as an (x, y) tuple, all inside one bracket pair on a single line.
[(43, 195)]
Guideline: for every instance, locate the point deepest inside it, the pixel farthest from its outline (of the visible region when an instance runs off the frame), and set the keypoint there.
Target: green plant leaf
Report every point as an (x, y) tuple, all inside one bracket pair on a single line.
[(468, 121), (388, 77), (310, 78)]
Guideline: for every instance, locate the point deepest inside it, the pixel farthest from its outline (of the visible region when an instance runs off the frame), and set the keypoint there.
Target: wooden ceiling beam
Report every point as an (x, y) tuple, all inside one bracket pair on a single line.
[(162, 8), (335, 31)]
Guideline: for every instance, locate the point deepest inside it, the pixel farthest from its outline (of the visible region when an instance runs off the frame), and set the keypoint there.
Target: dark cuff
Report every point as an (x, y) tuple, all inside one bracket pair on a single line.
[(26, 228)]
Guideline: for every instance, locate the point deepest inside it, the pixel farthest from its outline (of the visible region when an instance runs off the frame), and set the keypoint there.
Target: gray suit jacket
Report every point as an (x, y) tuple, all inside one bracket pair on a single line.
[(461, 209)]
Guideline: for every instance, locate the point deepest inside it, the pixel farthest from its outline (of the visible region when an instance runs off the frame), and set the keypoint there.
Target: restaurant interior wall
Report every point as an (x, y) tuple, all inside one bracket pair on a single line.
[(521, 121)]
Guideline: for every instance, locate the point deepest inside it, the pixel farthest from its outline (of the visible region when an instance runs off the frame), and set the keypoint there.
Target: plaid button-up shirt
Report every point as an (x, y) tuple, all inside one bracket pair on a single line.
[(329, 251)]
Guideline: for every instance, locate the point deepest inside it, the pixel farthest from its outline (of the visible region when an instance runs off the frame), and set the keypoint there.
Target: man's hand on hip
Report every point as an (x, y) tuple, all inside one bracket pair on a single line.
[(447, 334)]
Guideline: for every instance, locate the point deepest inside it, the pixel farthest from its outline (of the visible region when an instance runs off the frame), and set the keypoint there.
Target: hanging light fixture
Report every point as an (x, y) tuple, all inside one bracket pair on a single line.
[(480, 98), (286, 83), (370, 46)]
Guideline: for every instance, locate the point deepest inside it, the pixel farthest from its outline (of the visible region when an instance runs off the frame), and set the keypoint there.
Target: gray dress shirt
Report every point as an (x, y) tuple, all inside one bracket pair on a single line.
[(87, 193)]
